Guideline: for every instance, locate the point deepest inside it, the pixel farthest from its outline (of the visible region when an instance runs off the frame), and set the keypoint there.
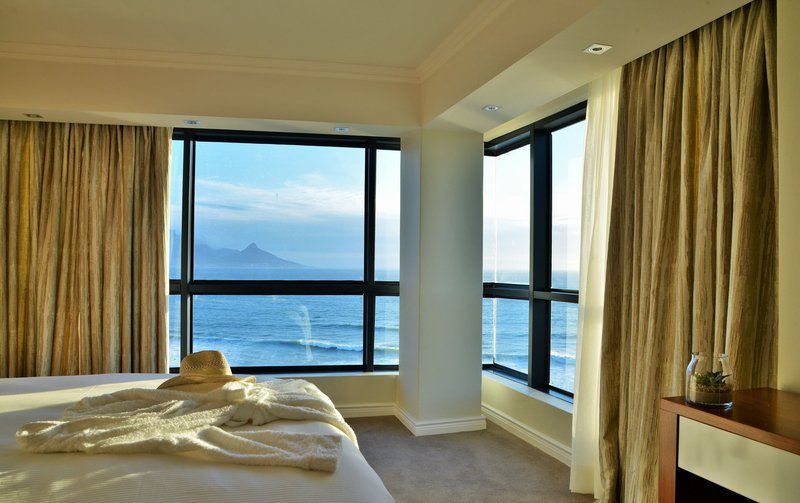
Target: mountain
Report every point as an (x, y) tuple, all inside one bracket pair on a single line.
[(251, 256), (255, 256)]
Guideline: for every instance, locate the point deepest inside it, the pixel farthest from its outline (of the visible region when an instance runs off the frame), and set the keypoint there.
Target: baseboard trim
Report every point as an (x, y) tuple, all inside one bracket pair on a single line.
[(539, 440), (367, 410), (439, 426)]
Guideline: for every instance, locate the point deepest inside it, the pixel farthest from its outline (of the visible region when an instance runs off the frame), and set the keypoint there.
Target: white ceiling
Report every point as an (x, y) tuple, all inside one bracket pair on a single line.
[(398, 33), (379, 66), (559, 66)]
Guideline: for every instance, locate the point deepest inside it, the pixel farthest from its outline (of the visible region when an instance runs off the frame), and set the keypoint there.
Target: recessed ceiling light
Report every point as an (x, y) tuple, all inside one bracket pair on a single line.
[(191, 122), (597, 49), (341, 129), (34, 116), (491, 108)]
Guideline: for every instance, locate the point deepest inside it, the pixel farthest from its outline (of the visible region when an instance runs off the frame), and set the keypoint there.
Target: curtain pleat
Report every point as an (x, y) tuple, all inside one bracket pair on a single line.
[(83, 283), (598, 177), (692, 243)]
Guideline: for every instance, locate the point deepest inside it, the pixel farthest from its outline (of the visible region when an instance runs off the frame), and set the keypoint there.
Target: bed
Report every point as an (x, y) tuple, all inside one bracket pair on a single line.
[(156, 477)]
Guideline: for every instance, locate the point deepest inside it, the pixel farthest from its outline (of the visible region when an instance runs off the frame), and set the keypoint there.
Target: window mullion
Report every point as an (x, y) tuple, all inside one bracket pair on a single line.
[(541, 225), (369, 255), (187, 243)]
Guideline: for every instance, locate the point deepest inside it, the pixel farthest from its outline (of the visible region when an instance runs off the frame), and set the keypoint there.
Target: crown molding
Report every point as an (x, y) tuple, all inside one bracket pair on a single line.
[(209, 62), (483, 15)]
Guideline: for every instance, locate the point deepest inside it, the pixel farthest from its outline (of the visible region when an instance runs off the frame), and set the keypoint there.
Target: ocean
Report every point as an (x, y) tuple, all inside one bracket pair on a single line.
[(259, 330)]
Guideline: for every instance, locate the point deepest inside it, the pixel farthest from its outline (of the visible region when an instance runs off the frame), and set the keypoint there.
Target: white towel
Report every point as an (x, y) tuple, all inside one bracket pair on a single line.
[(167, 421)]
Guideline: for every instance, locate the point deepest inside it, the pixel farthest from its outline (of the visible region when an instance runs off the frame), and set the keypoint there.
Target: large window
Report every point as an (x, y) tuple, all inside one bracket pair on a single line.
[(284, 250), (532, 207)]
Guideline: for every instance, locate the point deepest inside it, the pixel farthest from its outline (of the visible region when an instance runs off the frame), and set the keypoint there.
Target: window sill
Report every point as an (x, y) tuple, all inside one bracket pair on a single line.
[(303, 375), (551, 400)]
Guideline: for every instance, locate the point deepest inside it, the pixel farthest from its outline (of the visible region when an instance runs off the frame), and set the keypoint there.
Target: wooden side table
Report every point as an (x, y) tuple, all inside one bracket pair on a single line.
[(764, 415)]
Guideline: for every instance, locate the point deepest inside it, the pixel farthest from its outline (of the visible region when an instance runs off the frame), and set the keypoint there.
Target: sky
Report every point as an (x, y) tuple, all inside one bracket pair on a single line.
[(302, 203), (306, 203), (506, 195)]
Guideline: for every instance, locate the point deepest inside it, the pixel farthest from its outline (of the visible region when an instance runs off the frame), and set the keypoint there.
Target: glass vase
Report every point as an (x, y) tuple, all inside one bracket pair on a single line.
[(709, 380)]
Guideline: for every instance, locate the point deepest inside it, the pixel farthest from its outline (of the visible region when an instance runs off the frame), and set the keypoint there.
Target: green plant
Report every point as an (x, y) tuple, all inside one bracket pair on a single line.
[(712, 379)]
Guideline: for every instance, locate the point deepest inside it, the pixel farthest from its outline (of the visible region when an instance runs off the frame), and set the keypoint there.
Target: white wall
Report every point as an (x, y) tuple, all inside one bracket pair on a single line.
[(410, 197), (540, 419), (356, 389), (441, 275)]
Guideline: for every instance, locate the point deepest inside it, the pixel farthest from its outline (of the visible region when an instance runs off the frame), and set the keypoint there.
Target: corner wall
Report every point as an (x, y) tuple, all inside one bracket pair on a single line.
[(439, 386)]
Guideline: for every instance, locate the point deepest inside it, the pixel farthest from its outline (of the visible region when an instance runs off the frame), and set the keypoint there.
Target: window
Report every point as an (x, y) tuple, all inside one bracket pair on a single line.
[(567, 158), (532, 223), (506, 217), (278, 212), (505, 329), (387, 330), (174, 330), (387, 216), (284, 250), (175, 209)]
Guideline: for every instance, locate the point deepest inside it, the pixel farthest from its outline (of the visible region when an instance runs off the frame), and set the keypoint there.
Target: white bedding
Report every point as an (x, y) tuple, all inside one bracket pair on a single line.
[(155, 477)]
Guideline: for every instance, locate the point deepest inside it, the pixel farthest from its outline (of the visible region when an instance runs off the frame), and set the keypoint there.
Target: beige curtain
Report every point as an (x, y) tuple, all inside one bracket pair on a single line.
[(692, 242), (598, 177), (83, 219)]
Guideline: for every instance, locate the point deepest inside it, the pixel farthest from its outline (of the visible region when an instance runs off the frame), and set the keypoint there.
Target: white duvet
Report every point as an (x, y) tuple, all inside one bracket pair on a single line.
[(142, 420), (190, 477)]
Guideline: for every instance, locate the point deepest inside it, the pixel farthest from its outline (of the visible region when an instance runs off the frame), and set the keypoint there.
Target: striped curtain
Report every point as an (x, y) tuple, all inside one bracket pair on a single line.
[(83, 223), (692, 244)]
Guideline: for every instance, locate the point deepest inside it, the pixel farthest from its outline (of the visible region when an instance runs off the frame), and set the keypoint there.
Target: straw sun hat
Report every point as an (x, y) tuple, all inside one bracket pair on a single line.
[(202, 371)]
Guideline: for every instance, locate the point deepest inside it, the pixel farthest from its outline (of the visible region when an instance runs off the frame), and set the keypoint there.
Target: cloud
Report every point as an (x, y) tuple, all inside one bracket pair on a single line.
[(291, 201)]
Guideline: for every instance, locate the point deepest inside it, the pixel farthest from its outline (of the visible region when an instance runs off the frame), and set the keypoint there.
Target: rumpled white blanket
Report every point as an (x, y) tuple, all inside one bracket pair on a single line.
[(178, 422)]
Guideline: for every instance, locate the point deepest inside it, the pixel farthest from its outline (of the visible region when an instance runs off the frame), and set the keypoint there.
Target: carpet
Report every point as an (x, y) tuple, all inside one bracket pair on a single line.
[(480, 466)]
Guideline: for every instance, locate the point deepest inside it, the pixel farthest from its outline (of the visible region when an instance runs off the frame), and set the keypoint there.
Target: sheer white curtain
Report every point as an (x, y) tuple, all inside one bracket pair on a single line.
[(598, 175)]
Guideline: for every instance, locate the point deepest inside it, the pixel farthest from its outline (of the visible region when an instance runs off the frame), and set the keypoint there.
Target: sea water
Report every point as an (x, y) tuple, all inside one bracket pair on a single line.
[(282, 330)]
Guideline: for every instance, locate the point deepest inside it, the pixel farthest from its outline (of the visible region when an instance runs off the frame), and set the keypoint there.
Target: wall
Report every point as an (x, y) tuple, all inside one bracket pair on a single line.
[(410, 196), (440, 284), (788, 195), (540, 419), (357, 394)]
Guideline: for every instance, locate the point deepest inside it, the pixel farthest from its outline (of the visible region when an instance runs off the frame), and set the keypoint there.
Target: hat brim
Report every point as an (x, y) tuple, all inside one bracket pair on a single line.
[(182, 380)]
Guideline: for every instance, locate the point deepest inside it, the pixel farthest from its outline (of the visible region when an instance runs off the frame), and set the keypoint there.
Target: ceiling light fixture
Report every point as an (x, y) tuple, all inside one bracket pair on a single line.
[(192, 122), (597, 49), (33, 116), (341, 129), (491, 108)]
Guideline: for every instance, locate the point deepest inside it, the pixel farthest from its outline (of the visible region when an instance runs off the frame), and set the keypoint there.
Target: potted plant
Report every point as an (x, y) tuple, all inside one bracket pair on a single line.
[(708, 381)]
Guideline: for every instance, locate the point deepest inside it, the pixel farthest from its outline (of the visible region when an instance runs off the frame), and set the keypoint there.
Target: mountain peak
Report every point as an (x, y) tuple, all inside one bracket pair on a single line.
[(251, 256)]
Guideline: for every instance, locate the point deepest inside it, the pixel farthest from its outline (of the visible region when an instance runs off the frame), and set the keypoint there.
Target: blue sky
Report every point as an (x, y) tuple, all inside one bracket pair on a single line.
[(304, 204), (506, 193)]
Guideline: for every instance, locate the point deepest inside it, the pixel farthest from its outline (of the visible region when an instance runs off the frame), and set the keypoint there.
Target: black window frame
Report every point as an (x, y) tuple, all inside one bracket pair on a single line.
[(187, 287), (539, 291)]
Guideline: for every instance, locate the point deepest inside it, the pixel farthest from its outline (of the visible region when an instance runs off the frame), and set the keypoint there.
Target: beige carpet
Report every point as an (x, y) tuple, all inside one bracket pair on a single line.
[(481, 466)]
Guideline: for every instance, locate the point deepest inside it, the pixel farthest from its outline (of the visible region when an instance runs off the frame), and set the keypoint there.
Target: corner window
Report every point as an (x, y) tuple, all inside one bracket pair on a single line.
[(532, 223)]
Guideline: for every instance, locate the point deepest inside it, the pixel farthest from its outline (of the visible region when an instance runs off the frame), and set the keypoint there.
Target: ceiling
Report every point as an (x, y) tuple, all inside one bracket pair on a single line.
[(555, 73), (380, 66), (364, 32)]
